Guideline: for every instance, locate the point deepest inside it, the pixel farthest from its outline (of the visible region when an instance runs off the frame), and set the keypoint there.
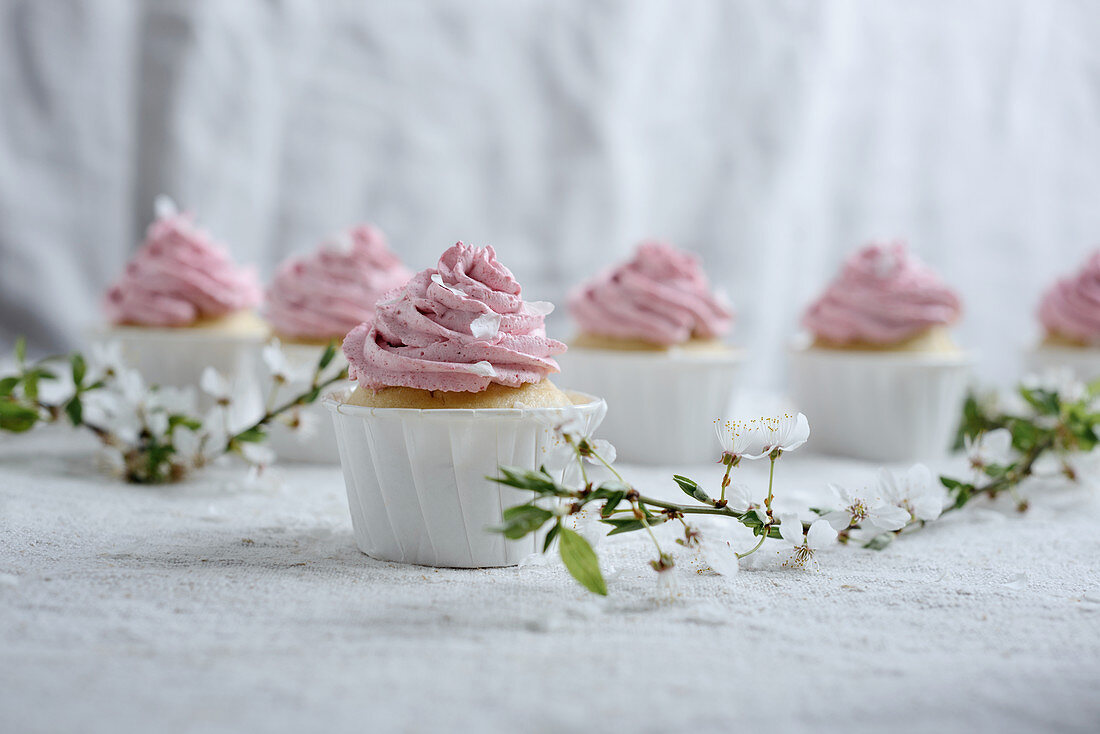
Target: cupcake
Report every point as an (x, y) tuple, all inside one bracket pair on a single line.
[(1070, 316), (183, 304), (881, 377), (320, 297), (452, 381), (650, 342)]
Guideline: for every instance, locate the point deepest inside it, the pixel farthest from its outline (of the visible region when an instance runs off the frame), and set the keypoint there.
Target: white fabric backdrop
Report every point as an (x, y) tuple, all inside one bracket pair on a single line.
[(772, 137)]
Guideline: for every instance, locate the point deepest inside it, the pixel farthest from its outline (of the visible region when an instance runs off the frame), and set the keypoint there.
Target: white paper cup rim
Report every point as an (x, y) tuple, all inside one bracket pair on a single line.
[(1063, 349), (336, 401), (108, 332), (685, 357), (963, 358)]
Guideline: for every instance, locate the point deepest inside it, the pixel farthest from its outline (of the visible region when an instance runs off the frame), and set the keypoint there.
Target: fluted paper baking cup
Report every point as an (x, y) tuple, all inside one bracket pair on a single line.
[(661, 407), (317, 445), (895, 406), (177, 358), (1083, 362), (417, 479)]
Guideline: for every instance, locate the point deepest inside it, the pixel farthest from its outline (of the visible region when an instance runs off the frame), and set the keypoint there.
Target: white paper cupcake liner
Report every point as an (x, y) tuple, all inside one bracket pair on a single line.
[(177, 358), (661, 407), (416, 479), (318, 446), (895, 406), (1083, 362)]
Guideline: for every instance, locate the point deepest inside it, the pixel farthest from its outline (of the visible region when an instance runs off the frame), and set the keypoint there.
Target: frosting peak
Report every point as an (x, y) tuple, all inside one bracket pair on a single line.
[(882, 295), (661, 296), (1071, 307), (328, 292), (459, 326), (178, 276)]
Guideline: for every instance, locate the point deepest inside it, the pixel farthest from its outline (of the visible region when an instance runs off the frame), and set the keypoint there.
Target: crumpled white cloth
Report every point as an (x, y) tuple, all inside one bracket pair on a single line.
[(211, 606), (771, 137)]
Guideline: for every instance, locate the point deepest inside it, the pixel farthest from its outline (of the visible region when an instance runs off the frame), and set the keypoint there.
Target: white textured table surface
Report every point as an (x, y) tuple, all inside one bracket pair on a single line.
[(207, 607)]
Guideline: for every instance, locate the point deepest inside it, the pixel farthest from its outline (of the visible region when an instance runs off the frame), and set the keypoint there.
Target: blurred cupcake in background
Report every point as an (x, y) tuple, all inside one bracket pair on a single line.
[(881, 377), (650, 342), (453, 378), (182, 304), (1070, 316), (321, 296), (318, 298)]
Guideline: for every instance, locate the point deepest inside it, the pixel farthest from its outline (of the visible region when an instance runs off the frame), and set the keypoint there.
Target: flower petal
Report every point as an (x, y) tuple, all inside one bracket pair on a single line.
[(820, 534)]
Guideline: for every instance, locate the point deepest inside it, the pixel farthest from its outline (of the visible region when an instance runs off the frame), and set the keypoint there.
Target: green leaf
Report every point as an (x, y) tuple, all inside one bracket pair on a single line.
[(553, 532), (15, 417), (609, 489), (581, 560), (962, 495), (522, 520), (949, 482), (255, 434), (75, 410), (879, 541), (179, 419), (612, 502), (629, 525), (624, 526), (21, 350), (7, 385), (327, 357), (536, 481), (692, 489), (30, 387), (80, 369)]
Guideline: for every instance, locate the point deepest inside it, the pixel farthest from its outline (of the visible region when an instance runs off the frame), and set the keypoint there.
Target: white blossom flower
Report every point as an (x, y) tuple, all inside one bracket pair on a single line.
[(740, 439), (281, 368), (129, 385), (668, 585), (871, 513), (303, 424), (915, 491), (571, 432), (784, 432), (171, 400), (718, 554), (991, 448), (1062, 381), (738, 497), (257, 454), (216, 386), (110, 461), (105, 360), (119, 408), (156, 422), (756, 438), (198, 448), (819, 535), (587, 524)]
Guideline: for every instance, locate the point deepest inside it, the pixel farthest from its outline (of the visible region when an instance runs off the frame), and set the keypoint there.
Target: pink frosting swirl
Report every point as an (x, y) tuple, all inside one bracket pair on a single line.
[(179, 275), (661, 296), (882, 295), (327, 293), (1071, 308), (456, 327)]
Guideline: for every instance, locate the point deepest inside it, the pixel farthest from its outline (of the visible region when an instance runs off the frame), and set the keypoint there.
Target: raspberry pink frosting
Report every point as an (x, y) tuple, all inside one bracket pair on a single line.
[(661, 296), (883, 295), (178, 276), (327, 293), (456, 327), (1071, 308)]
